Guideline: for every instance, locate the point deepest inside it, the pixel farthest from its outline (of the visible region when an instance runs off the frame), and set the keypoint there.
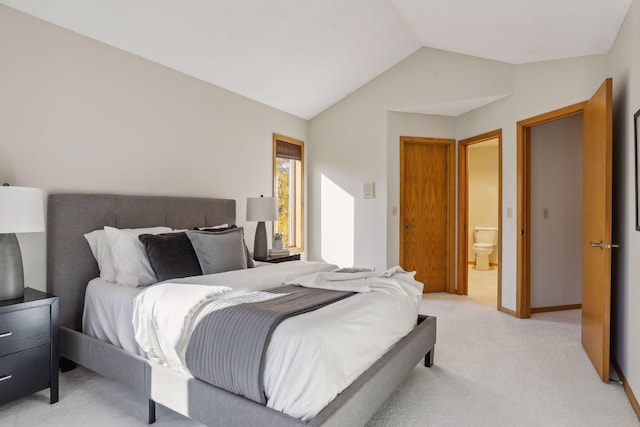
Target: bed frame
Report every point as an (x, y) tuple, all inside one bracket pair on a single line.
[(70, 266)]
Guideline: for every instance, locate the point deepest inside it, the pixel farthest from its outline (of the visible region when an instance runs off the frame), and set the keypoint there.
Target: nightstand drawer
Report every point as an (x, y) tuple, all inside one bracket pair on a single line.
[(24, 329), (24, 373)]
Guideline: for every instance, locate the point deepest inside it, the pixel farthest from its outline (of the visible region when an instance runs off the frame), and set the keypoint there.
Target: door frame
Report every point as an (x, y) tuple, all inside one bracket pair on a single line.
[(451, 184), (523, 257), (463, 212)]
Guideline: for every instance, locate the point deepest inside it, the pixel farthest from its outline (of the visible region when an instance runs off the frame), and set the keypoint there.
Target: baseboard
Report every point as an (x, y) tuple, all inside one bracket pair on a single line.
[(492, 264), (627, 388), (507, 311), (555, 308)]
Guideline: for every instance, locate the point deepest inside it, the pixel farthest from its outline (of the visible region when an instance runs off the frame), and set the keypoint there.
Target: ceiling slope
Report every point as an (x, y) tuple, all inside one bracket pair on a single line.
[(303, 57)]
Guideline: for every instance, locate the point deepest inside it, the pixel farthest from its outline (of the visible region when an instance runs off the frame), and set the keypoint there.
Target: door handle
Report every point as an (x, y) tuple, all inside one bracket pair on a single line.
[(597, 245), (405, 226), (603, 245)]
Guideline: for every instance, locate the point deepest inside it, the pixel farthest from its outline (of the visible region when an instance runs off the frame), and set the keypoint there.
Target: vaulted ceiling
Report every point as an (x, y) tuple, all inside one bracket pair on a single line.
[(301, 57)]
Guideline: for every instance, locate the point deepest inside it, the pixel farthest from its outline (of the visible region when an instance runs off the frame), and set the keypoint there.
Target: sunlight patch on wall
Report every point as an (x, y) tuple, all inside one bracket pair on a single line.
[(337, 224)]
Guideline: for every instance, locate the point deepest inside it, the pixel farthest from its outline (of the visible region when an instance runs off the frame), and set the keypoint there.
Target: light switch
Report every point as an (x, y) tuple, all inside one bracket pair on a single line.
[(394, 211), (545, 213), (368, 190), (509, 213)]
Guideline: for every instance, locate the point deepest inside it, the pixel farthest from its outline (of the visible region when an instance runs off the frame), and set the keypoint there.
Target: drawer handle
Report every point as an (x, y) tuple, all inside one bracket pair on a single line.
[(6, 377), (6, 334)]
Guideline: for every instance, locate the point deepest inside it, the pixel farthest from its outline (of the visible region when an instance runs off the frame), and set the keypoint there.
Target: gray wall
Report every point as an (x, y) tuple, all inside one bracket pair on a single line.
[(556, 185)]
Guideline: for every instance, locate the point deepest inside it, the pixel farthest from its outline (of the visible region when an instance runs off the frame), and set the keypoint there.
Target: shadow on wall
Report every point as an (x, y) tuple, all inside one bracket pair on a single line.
[(337, 229), (623, 148)]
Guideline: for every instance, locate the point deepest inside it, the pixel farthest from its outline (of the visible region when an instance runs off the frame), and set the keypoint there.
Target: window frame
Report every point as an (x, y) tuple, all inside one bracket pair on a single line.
[(298, 245)]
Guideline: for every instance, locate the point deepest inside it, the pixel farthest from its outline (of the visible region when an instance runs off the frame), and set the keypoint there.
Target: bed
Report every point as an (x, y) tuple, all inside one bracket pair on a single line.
[(71, 266)]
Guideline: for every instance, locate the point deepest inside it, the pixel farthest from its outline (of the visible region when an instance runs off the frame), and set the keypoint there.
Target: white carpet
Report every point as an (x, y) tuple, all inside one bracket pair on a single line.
[(490, 370)]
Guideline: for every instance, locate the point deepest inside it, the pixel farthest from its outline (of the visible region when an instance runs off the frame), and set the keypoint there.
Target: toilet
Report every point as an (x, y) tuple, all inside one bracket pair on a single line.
[(484, 240)]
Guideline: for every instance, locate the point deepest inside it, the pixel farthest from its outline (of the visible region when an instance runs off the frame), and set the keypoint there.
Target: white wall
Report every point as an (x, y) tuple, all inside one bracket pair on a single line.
[(624, 61), (80, 116), (483, 177), (556, 185), (539, 88), (76, 115), (349, 143)]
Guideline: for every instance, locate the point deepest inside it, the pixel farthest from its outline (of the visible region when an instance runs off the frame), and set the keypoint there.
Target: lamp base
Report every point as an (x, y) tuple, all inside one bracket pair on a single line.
[(11, 273), (260, 242)]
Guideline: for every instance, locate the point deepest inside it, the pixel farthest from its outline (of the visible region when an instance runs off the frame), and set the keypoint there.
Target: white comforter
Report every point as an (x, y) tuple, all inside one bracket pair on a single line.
[(312, 357), (108, 308)]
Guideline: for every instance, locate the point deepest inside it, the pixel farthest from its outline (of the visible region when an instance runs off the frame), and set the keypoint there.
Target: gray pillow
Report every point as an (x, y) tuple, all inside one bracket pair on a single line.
[(218, 229), (218, 252)]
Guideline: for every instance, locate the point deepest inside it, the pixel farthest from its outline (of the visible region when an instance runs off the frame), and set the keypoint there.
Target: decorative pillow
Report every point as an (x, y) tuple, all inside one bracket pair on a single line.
[(220, 251), (101, 251), (129, 258), (225, 227), (171, 255)]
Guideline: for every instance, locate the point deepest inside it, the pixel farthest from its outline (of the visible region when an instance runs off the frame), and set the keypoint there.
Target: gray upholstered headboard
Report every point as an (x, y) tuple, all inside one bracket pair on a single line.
[(70, 264)]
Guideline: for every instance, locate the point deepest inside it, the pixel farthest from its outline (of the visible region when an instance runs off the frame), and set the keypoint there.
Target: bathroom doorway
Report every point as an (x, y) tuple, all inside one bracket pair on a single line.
[(480, 217)]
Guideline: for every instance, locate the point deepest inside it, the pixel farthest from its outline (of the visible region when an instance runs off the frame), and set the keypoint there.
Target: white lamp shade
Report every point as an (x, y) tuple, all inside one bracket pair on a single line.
[(262, 209), (21, 210)]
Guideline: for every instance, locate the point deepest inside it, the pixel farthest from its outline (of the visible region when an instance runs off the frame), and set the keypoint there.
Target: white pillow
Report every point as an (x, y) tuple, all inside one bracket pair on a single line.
[(101, 251), (131, 264)]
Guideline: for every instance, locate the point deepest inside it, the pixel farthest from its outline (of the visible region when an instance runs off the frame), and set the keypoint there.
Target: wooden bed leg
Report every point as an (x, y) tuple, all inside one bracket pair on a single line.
[(428, 358), (152, 411), (66, 364)]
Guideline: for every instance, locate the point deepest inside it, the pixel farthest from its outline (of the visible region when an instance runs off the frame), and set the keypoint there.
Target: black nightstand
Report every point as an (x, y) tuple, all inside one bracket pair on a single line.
[(29, 345), (276, 259)]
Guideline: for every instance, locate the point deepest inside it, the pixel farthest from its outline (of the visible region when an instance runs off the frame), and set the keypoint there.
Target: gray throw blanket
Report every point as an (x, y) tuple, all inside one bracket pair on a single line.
[(228, 346)]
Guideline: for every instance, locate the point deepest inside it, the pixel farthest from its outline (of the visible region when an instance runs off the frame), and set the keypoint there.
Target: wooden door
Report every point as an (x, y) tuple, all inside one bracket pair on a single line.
[(596, 261), (427, 216)]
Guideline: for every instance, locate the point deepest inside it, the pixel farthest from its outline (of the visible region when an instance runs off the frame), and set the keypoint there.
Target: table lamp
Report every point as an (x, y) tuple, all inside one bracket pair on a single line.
[(21, 211), (261, 209)]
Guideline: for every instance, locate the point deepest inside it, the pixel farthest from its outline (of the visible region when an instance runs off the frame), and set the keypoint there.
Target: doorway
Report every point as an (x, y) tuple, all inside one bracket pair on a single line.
[(427, 211), (527, 216), (596, 244), (480, 210), (555, 214)]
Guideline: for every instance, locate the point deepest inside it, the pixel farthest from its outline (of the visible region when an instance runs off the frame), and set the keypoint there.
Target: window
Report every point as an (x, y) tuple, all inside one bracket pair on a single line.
[(288, 185)]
